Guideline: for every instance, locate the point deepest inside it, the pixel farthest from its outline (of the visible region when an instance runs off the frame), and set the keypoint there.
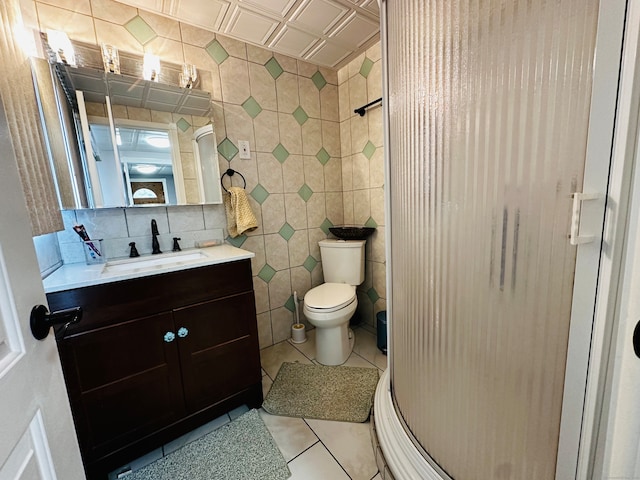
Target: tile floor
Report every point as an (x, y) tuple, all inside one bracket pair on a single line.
[(313, 449), (321, 449)]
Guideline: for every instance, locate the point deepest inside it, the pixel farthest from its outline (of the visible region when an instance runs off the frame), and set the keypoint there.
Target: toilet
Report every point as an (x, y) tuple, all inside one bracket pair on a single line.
[(330, 306)]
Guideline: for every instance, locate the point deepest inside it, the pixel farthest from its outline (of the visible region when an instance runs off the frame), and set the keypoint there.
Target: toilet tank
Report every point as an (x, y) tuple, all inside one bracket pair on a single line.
[(343, 261)]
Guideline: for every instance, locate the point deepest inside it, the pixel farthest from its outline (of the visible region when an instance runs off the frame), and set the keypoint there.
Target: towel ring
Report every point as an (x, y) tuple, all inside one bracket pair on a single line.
[(230, 172)]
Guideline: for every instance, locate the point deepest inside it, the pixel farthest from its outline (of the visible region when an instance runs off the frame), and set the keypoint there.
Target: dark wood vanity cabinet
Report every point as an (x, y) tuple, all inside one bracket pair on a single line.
[(154, 357)]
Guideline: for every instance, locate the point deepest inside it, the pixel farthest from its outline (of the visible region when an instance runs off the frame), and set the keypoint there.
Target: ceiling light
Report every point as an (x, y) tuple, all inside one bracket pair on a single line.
[(145, 169), (61, 46), (158, 141), (110, 58)]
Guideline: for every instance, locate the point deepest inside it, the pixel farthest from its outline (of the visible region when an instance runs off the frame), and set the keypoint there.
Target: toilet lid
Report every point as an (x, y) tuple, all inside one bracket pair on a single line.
[(330, 296)]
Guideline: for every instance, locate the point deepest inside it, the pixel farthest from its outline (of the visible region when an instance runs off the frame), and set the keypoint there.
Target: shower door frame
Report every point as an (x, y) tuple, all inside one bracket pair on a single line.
[(595, 286)]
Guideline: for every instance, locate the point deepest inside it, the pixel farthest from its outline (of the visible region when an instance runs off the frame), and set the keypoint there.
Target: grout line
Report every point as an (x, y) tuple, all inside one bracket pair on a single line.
[(306, 449), (327, 448)]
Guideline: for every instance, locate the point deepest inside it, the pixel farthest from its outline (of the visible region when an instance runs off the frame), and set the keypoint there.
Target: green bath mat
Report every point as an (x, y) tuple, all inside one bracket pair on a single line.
[(241, 450), (326, 393)]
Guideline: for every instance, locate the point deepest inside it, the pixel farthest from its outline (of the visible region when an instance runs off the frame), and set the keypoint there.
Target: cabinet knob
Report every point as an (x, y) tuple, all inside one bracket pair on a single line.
[(169, 337), (183, 332)]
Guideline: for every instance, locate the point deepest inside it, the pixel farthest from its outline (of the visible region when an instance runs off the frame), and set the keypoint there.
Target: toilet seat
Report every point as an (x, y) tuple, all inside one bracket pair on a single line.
[(329, 297)]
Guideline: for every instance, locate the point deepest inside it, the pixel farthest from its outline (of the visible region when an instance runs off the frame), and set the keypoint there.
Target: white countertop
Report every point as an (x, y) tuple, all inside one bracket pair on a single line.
[(77, 275)]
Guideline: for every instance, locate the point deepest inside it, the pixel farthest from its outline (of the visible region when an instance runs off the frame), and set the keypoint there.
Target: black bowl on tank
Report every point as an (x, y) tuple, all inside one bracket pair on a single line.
[(352, 232)]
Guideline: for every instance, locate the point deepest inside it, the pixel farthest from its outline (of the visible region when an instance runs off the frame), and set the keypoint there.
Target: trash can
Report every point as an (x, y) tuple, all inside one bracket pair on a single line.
[(382, 331)]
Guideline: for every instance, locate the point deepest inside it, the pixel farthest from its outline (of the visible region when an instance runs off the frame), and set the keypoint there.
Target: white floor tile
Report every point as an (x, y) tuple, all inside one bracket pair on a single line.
[(350, 444), (292, 435), (272, 357), (308, 348), (316, 464), (367, 348), (377, 477), (356, 360)]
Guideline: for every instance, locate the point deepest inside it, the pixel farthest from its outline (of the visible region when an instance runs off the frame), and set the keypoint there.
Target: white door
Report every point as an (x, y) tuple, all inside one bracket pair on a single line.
[(37, 438)]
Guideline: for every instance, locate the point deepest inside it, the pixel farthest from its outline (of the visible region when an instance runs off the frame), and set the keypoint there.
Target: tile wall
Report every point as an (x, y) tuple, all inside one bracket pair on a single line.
[(313, 162)]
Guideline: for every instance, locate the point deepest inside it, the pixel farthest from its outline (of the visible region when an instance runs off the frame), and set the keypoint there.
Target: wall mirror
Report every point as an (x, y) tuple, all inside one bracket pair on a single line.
[(120, 141)]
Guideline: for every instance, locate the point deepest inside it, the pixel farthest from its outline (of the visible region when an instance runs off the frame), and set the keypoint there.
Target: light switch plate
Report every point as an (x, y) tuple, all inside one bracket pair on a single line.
[(245, 153)]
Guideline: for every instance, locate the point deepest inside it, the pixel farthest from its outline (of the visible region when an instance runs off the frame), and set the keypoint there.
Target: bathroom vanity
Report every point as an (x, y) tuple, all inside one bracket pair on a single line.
[(157, 353)]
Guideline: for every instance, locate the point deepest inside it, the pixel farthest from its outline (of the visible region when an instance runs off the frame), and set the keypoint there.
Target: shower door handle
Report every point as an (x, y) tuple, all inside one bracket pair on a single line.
[(636, 340), (574, 237)]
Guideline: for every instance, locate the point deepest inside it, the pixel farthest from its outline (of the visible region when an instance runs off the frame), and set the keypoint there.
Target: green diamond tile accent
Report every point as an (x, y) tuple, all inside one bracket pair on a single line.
[(238, 241), (274, 68), (300, 115), (310, 263), (227, 149), (373, 295), (259, 194), (286, 231), (217, 52), (183, 125), (369, 150), (266, 273), (305, 192), (290, 304), (280, 153), (322, 156), (318, 80), (252, 107), (140, 29), (371, 223), (326, 225), (366, 67)]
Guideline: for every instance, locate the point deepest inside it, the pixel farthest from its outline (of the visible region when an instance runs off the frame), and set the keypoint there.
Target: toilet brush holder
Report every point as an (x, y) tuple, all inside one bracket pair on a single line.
[(298, 333)]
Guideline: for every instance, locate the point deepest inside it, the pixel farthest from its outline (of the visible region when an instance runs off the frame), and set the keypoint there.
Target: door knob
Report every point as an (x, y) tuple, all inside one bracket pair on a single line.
[(42, 320)]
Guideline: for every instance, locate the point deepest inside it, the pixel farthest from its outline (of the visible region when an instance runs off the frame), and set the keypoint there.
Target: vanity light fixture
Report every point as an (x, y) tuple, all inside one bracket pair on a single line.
[(62, 47), (188, 76), (151, 67), (110, 58)]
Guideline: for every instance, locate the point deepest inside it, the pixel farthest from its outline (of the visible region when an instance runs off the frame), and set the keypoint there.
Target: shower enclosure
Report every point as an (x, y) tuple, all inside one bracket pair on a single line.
[(491, 112)]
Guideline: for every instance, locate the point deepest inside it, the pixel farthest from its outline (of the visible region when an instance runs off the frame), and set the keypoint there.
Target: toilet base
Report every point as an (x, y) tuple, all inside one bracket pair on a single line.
[(334, 345)]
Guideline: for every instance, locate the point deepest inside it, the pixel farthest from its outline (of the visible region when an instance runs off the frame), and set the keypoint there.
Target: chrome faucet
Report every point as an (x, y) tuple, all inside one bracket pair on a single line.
[(154, 234)]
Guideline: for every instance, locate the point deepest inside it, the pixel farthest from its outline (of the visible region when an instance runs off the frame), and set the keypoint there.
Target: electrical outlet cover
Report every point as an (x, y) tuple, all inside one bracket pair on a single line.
[(243, 146)]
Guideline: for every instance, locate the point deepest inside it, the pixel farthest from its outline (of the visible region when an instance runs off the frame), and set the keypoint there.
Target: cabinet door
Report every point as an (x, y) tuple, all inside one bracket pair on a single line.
[(123, 382), (219, 355)]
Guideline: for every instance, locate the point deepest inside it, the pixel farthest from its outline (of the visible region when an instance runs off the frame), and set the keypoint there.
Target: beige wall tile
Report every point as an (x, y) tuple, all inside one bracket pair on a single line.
[(266, 131), (360, 171), (277, 253), (345, 138), (295, 210), (317, 276), (78, 6), (374, 82), (219, 121), (376, 169), (118, 36), (287, 90), (361, 206), (261, 292), (377, 205), (359, 133), (306, 69), (343, 74), (111, 11), (300, 283), (379, 283), (234, 75), (163, 26), (288, 64), (333, 175), (329, 107), (315, 235), (265, 337), (357, 92), (298, 248), (293, 173), (280, 289), (330, 75), (355, 65), (378, 245), (335, 207), (311, 136), (281, 321), (255, 244), (76, 25), (347, 201), (316, 210), (347, 173), (263, 87), (257, 54), (233, 47), (196, 36), (290, 133), (376, 133), (309, 97), (273, 216), (269, 172), (374, 52), (331, 137), (314, 174), (344, 104), (168, 50), (239, 125), (198, 57)]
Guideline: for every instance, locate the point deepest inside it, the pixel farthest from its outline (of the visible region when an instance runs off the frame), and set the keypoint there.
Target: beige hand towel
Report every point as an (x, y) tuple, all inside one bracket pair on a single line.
[(240, 217)]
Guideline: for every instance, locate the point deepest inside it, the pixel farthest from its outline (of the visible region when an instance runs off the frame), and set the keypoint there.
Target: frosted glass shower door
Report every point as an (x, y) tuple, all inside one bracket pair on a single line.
[(488, 109)]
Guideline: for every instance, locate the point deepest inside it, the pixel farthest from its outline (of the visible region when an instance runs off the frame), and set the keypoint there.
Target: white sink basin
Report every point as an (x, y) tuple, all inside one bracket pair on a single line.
[(155, 262)]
